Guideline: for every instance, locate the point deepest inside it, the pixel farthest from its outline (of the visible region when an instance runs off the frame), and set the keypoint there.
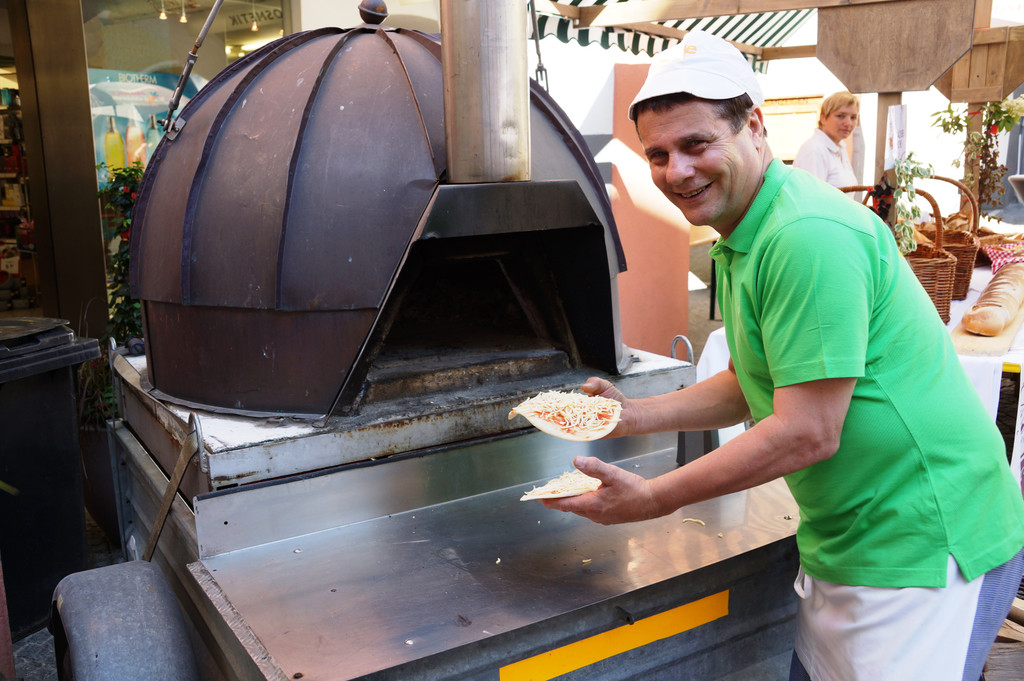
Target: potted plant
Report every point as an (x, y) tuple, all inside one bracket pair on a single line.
[(120, 193), (904, 197), (96, 401), (983, 172), (124, 326)]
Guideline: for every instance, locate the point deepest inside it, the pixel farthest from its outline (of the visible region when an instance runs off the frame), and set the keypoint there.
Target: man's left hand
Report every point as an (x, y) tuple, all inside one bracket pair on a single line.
[(623, 497)]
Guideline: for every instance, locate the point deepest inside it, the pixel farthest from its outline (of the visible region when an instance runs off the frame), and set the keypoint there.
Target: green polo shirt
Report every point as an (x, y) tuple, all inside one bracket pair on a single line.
[(811, 286)]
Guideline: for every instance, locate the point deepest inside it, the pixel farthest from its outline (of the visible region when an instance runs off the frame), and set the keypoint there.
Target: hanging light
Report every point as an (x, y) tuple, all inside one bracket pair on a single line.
[(183, 19), (255, 26), (163, 12)]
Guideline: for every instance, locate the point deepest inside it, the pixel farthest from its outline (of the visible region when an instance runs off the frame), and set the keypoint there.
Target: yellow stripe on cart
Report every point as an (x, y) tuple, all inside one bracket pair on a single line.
[(627, 637)]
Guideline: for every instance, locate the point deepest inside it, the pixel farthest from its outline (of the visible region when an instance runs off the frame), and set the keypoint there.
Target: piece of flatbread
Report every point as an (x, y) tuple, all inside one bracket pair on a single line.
[(570, 416), (571, 484)]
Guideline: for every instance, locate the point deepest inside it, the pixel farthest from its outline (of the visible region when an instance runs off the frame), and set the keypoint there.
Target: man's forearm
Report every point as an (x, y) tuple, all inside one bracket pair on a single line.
[(805, 429), (752, 458), (713, 403)]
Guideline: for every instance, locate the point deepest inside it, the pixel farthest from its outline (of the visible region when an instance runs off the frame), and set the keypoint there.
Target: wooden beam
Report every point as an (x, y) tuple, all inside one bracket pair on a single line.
[(792, 52), (989, 36), (659, 30), (1017, 611), (1001, 34), (971, 163), (993, 93), (1010, 632), (1005, 660), (885, 100), (642, 11), (982, 13), (548, 7)]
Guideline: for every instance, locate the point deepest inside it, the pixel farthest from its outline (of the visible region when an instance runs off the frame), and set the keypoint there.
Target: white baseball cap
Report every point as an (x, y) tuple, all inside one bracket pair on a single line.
[(702, 65)]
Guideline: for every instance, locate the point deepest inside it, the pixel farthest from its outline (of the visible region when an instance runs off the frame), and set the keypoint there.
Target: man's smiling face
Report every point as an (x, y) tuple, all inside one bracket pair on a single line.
[(709, 172)]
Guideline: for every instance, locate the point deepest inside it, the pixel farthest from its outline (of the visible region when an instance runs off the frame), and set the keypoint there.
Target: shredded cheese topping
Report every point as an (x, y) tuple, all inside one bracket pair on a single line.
[(573, 413), (568, 484)]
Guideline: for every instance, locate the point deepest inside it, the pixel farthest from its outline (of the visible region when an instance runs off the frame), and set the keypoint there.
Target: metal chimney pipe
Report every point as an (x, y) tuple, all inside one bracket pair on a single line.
[(486, 90)]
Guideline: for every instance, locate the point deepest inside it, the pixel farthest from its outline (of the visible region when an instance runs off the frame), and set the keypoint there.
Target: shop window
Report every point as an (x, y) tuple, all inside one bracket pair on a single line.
[(136, 52)]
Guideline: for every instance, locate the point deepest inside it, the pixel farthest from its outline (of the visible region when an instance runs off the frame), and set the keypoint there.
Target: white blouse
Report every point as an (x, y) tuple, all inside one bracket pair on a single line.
[(826, 160)]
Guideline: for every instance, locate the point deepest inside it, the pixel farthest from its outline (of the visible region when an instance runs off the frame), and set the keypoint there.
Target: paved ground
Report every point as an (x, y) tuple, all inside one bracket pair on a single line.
[(700, 322), (33, 654), (33, 658)]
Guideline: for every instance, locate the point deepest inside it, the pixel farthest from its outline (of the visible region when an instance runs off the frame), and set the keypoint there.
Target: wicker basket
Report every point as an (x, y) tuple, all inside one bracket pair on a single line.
[(935, 267), (986, 237), (961, 244)]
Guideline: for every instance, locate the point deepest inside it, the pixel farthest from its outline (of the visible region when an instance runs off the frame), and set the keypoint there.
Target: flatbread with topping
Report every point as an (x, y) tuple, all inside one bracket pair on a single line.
[(571, 416), (571, 484)]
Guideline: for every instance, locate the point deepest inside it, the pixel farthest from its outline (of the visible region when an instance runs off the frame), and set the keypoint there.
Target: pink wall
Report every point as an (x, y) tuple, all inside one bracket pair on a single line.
[(653, 293)]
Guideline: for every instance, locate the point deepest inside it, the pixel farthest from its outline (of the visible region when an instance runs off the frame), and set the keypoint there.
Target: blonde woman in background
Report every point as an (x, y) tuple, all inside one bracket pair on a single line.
[(824, 154)]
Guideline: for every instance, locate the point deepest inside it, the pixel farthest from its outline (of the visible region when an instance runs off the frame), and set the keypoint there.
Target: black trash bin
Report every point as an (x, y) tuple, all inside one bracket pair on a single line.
[(42, 525)]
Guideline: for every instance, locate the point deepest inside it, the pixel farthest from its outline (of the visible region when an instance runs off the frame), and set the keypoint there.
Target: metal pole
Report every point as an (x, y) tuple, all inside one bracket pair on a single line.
[(170, 126), (486, 90), (542, 73)]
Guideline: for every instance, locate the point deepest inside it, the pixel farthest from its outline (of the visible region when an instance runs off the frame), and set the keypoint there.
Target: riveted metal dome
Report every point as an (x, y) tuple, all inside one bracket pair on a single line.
[(276, 220)]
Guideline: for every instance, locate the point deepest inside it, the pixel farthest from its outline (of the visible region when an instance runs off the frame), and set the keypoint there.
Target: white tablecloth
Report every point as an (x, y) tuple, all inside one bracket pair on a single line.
[(985, 373), (1014, 357)]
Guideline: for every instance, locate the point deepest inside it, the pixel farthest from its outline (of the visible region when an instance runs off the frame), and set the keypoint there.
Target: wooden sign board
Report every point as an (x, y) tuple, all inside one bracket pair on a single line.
[(894, 46), (990, 71)]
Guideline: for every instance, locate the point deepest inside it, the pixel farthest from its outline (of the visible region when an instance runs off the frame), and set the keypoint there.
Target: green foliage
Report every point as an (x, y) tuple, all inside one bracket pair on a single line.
[(120, 192), (983, 147), (904, 198), (96, 402)]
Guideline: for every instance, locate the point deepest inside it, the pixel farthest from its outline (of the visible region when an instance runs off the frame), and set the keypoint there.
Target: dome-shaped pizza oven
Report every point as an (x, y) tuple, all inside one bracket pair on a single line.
[(297, 249)]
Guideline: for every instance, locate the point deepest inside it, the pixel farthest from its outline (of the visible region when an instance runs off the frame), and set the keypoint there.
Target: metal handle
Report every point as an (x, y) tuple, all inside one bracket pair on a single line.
[(689, 347)]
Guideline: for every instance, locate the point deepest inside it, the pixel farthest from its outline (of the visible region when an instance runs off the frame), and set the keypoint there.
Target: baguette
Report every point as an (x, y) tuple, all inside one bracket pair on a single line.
[(999, 302)]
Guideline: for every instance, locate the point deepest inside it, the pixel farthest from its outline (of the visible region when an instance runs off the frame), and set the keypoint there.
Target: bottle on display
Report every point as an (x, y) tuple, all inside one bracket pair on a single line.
[(153, 135), (113, 146), (135, 142)]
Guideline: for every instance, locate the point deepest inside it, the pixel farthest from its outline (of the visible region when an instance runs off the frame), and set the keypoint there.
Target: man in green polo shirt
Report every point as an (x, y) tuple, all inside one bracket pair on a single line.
[(910, 519)]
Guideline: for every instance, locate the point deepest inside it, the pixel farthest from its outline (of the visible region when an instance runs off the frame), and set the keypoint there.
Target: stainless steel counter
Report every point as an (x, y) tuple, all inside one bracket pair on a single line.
[(361, 570)]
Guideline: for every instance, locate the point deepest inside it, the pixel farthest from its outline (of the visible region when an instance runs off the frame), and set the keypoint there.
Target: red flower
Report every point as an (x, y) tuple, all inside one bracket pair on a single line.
[(125, 189), (133, 196), (124, 236)]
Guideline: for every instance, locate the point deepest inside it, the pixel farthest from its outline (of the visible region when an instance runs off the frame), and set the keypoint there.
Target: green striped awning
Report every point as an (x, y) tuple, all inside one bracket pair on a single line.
[(765, 29)]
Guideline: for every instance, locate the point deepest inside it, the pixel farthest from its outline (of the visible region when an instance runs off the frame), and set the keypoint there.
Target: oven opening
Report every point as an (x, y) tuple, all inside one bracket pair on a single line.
[(468, 313)]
